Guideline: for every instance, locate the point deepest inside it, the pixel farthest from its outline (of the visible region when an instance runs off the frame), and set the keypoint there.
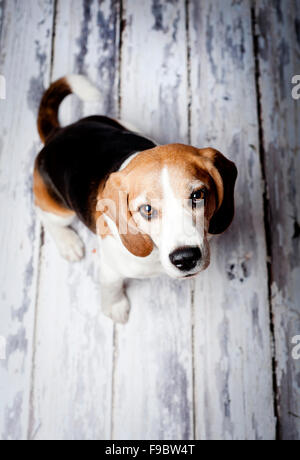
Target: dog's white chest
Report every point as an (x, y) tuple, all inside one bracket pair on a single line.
[(126, 264)]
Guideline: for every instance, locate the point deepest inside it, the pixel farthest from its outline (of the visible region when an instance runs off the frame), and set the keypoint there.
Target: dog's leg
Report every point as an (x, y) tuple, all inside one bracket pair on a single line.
[(67, 241), (114, 301)]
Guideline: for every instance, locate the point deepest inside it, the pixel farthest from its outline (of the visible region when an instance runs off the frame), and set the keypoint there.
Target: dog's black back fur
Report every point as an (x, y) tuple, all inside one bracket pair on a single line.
[(77, 158)]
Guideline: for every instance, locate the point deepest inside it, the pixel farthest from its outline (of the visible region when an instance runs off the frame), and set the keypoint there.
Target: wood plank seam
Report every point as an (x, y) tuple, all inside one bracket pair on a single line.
[(122, 26), (53, 38), (188, 60), (2, 11), (113, 383), (189, 137), (193, 306), (266, 204), (30, 433)]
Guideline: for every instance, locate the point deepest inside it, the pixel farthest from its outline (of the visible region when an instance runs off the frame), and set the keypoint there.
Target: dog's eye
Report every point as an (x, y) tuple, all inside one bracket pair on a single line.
[(148, 212), (198, 196)]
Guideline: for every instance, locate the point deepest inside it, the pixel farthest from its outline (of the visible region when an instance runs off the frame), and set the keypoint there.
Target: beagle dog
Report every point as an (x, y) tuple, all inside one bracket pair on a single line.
[(152, 206)]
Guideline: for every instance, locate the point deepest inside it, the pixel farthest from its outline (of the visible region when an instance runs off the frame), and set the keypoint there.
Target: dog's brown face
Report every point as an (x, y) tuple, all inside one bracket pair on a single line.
[(173, 197)]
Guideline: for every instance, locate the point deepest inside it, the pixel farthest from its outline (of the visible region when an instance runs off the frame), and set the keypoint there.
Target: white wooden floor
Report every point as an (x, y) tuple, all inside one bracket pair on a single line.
[(210, 359)]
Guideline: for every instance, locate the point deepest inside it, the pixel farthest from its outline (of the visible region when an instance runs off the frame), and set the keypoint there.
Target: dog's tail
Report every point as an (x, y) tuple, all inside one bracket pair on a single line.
[(53, 97)]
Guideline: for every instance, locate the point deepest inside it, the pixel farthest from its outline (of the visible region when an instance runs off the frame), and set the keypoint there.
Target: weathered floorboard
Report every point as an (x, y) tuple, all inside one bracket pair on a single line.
[(25, 50), (234, 397), (278, 28), (74, 341), (61, 378), (153, 397)]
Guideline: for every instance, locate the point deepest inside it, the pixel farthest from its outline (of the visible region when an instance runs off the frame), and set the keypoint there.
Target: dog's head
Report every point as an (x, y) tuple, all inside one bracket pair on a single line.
[(172, 197)]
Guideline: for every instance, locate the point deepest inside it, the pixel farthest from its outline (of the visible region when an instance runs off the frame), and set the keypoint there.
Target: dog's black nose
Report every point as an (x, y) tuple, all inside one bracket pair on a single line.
[(186, 258)]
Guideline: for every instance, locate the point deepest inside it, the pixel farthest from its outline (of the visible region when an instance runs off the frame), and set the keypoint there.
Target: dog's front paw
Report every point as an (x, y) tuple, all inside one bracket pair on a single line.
[(70, 245), (119, 311)]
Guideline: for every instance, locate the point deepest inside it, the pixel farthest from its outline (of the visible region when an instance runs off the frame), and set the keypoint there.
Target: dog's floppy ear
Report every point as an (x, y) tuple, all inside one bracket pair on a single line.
[(114, 202), (224, 174)]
